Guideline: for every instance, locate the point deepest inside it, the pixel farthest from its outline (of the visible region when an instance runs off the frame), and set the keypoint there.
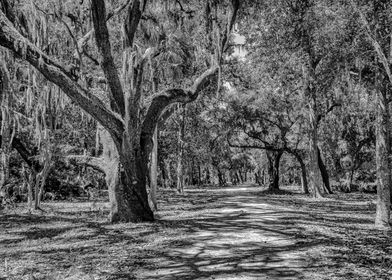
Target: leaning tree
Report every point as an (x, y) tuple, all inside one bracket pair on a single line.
[(128, 117)]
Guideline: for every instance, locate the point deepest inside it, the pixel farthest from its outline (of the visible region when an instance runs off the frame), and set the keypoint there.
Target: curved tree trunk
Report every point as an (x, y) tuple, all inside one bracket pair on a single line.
[(273, 169)]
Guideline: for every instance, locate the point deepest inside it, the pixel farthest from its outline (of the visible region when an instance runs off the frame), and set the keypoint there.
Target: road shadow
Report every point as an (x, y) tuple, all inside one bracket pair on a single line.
[(237, 236), (241, 232)]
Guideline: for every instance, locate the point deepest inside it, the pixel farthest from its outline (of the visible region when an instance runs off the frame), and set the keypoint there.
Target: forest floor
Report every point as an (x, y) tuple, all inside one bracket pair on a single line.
[(209, 233)]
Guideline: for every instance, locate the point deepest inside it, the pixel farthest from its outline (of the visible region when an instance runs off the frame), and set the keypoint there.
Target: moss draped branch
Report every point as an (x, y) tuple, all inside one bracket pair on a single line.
[(11, 39)]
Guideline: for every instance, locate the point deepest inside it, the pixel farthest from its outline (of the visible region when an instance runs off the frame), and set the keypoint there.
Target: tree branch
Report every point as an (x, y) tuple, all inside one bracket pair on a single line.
[(134, 15), (257, 136), (149, 53), (170, 96), (98, 12), (11, 39), (96, 163), (320, 116), (83, 41), (59, 17), (248, 146), (230, 24), (24, 153)]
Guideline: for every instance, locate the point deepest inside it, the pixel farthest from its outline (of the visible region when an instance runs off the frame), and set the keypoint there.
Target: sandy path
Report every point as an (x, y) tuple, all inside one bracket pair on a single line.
[(241, 237)]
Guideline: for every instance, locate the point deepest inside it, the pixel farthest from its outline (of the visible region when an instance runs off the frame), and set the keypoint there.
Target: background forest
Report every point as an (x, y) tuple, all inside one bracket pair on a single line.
[(295, 103), (123, 100)]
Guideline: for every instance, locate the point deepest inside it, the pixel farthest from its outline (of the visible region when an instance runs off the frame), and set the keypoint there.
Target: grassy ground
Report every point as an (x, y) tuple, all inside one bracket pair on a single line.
[(209, 233)]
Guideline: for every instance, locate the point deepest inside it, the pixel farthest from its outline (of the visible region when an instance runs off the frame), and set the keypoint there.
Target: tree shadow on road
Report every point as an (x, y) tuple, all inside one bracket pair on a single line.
[(210, 233)]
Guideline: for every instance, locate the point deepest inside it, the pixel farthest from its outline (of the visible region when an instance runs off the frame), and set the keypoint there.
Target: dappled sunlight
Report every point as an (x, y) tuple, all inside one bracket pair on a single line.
[(206, 234), (241, 237)]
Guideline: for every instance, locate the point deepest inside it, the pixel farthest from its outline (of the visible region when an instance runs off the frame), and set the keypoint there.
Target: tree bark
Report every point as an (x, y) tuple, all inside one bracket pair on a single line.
[(316, 183), (168, 180), (273, 169), (181, 147), (40, 180), (30, 193), (241, 178), (154, 171), (6, 133), (349, 175), (199, 182), (259, 177), (315, 178), (383, 146), (304, 180), (221, 177), (324, 173), (383, 163), (310, 91)]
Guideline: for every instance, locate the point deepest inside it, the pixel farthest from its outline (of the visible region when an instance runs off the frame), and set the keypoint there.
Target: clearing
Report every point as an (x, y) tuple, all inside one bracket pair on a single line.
[(210, 233)]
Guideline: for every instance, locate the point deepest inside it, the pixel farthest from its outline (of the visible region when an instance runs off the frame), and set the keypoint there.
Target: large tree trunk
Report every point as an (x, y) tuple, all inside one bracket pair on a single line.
[(273, 169), (126, 183), (315, 178), (383, 147), (133, 191), (383, 150), (310, 92)]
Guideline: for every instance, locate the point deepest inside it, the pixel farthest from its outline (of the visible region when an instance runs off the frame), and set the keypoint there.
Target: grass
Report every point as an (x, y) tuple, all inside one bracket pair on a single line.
[(209, 233)]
